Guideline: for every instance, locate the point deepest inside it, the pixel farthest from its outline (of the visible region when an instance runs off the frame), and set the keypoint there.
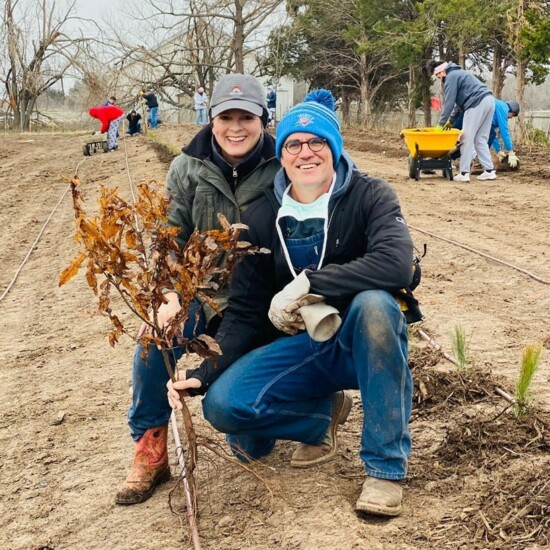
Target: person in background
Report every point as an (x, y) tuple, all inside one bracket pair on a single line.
[(200, 100), (110, 117), (153, 106), (271, 104), (463, 92), (110, 101), (338, 239), (225, 167), (134, 126), (504, 111)]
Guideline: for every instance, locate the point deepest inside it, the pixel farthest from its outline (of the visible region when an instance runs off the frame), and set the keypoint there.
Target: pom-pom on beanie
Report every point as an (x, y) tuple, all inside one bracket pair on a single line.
[(315, 115)]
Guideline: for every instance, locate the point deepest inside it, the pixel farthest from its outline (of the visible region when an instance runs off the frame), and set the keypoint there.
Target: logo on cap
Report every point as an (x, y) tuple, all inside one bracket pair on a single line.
[(236, 90), (304, 120)]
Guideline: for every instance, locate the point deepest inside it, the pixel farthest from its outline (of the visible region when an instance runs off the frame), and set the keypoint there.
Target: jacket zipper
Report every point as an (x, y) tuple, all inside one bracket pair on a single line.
[(337, 242)]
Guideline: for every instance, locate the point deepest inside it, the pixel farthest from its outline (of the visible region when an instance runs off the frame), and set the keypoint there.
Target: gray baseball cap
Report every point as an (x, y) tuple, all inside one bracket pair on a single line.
[(237, 91)]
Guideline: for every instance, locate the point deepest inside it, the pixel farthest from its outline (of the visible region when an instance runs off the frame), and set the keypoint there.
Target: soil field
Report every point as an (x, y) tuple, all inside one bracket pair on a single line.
[(479, 478)]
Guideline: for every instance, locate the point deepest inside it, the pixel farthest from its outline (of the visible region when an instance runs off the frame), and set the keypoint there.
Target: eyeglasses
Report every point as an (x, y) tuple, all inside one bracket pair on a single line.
[(294, 147)]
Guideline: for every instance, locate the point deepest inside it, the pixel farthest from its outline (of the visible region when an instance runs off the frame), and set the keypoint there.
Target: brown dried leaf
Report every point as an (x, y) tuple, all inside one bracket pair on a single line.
[(91, 279), (223, 221), (211, 343), (69, 272), (131, 239)]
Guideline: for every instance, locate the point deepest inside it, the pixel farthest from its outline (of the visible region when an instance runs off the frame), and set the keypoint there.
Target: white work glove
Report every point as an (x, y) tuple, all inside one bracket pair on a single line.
[(283, 311), (322, 321), (512, 159), (501, 155)]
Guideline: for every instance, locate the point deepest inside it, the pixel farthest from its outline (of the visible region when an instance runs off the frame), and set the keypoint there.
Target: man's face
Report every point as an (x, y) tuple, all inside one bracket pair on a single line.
[(237, 133), (441, 74), (308, 169)]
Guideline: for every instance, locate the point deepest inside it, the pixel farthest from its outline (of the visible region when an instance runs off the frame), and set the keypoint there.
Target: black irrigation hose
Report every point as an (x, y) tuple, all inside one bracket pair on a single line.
[(469, 248)]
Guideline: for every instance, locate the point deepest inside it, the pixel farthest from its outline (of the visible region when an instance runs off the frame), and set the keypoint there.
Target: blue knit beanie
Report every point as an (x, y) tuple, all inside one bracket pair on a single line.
[(315, 115)]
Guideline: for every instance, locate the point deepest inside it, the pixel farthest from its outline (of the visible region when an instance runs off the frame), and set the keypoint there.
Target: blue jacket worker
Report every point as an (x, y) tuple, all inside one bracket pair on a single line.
[(504, 111), (463, 92), (318, 315)]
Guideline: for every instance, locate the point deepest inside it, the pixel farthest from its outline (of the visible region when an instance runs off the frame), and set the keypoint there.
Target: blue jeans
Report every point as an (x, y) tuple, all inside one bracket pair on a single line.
[(153, 117), (200, 117), (282, 390), (150, 406)]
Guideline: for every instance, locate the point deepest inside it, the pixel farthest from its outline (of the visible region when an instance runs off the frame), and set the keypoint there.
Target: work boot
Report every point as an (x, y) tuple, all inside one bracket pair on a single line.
[(306, 455), (381, 497), (149, 469)]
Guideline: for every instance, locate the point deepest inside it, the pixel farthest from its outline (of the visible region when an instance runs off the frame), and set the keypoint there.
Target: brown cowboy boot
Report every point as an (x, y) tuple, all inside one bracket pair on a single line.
[(149, 469), (306, 455)]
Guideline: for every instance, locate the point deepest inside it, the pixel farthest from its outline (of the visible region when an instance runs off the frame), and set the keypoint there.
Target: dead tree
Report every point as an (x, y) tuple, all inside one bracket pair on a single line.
[(38, 53)]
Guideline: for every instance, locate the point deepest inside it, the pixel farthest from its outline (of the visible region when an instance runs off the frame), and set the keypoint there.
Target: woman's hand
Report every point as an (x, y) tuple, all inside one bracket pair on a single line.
[(177, 390)]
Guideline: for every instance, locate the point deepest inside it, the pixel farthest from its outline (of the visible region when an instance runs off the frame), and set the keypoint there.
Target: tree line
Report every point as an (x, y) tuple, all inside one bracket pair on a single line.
[(377, 54)]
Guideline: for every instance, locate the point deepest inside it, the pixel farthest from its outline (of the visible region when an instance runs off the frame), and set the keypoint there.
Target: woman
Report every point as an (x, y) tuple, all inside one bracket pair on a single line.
[(226, 166)]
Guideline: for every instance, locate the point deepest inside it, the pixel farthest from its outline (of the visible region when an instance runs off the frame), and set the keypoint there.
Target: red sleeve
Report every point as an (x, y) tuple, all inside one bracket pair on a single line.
[(106, 115)]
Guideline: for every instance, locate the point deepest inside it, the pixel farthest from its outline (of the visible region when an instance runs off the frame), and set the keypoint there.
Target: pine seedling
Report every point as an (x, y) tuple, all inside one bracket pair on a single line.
[(529, 364), (461, 347)]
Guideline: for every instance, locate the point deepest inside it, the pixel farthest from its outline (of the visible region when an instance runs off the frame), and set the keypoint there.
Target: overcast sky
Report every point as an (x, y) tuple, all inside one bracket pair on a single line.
[(96, 9)]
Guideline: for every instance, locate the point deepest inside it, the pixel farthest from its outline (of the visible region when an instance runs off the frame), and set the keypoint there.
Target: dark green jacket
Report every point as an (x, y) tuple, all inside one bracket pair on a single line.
[(199, 190)]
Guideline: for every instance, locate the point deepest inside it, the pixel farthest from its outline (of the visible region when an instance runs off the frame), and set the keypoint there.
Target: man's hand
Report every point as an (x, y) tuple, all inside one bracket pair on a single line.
[(177, 390), (502, 155), (165, 313), (512, 159), (285, 304), (448, 125), (438, 128)]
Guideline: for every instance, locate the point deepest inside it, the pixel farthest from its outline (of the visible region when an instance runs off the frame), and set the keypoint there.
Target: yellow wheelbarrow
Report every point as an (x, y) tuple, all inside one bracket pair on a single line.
[(430, 150)]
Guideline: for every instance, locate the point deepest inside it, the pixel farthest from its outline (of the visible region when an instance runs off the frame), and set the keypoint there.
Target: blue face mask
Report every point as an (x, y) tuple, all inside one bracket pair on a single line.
[(318, 209)]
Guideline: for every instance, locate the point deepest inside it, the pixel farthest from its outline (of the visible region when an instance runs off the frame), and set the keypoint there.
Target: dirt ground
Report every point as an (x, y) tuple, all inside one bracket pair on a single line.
[(479, 478)]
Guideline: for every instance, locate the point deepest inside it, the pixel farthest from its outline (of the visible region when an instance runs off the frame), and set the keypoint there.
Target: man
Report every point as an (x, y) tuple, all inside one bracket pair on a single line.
[(337, 235), (201, 104), (110, 101), (153, 106), (504, 111), (463, 92), (110, 117), (225, 167), (271, 104)]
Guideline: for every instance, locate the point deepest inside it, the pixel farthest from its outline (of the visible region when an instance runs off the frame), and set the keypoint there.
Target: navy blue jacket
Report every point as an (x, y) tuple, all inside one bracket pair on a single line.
[(368, 247)]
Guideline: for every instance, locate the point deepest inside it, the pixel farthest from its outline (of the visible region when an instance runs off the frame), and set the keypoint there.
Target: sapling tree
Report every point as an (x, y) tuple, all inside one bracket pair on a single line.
[(461, 347), (530, 361), (130, 248)]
